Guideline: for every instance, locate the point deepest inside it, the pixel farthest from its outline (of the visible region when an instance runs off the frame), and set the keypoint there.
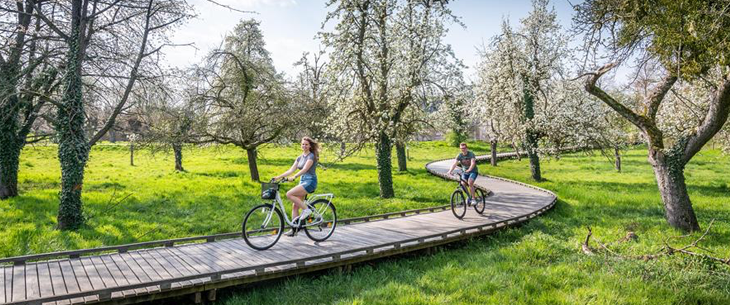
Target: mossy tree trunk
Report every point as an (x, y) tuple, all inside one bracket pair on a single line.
[(531, 137), (669, 172), (493, 146), (252, 165), (177, 150), (12, 134), (617, 158), (400, 149), (131, 153), (9, 145), (73, 149), (383, 150), (9, 159)]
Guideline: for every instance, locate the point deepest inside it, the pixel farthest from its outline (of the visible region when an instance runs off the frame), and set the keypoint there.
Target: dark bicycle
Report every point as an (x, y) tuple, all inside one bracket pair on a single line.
[(461, 199)]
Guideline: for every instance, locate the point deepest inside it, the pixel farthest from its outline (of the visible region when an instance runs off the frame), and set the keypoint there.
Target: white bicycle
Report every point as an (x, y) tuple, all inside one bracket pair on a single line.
[(263, 225)]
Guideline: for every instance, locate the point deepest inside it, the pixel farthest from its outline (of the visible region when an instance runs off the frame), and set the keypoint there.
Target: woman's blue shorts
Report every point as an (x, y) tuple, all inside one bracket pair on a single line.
[(309, 182)]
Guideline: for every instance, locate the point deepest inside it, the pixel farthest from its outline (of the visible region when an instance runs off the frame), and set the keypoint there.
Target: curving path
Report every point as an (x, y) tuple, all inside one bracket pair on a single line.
[(201, 265)]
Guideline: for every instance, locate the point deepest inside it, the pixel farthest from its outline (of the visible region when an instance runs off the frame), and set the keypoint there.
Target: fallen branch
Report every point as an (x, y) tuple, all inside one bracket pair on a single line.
[(587, 249), (666, 250)]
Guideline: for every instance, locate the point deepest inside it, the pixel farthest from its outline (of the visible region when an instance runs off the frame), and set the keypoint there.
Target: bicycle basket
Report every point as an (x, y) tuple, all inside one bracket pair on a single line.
[(268, 190)]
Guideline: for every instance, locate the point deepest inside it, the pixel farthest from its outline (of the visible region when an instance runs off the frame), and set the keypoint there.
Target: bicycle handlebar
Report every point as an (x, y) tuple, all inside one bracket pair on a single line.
[(282, 180)]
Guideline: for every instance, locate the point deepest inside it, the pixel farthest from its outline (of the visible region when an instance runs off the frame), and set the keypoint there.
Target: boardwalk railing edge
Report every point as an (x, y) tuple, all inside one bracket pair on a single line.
[(330, 259)]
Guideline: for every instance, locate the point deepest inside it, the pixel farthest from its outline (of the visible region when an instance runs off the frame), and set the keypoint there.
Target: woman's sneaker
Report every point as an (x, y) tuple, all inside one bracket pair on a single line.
[(304, 216), (292, 232)]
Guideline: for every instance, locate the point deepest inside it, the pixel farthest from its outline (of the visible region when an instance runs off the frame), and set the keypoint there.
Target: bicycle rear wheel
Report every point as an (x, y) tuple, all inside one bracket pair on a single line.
[(458, 204), (323, 221), (481, 201), (262, 227)]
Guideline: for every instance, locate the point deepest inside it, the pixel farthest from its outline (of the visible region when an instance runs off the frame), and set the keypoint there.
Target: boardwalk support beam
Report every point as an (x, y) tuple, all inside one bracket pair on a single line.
[(211, 294)]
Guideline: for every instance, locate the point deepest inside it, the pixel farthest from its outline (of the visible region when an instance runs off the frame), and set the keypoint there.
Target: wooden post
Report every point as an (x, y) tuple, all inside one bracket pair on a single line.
[(198, 298), (211, 295)]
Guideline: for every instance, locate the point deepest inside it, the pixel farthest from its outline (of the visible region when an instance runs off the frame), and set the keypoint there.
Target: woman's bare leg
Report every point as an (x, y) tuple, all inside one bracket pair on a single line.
[(296, 195)]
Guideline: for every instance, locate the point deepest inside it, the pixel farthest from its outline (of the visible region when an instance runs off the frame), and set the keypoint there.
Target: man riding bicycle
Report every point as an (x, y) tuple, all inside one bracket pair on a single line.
[(468, 162)]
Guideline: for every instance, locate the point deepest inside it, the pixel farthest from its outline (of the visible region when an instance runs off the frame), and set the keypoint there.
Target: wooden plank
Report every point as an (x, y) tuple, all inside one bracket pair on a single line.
[(151, 272), (210, 256), (191, 262), (179, 269), (94, 277), (32, 289), (108, 265), (18, 288), (4, 280), (250, 256), (245, 256), (44, 280), (72, 284), (124, 259), (129, 261), (121, 271), (223, 256), (171, 269), (159, 268), (182, 263), (58, 281), (116, 274), (82, 279), (59, 284), (106, 276), (200, 256)]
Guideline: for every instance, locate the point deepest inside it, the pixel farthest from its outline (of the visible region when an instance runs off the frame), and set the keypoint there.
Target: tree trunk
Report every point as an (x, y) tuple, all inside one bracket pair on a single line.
[(343, 148), (131, 153), (670, 178), (534, 157), (385, 176), (177, 149), (9, 160), (531, 137), (493, 144), (73, 149), (252, 154), (617, 158), (400, 149), (517, 150), (9, 145)]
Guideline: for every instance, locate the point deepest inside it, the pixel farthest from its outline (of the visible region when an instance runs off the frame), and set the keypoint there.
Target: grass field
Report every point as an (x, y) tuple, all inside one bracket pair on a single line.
[(210, 197), (538, 263)]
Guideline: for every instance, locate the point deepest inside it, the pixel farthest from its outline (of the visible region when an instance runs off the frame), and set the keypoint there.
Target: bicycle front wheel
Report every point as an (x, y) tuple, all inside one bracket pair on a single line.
[(481, 200), (458, 204), (323, 221), (262, 226)]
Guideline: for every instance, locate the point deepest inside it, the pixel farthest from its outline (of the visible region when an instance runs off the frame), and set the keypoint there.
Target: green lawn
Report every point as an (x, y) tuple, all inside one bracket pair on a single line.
[(538, 263), (211, 197)]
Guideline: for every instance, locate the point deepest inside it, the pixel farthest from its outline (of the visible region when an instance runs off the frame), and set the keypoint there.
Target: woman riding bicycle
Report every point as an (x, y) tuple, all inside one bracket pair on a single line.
[(306, 163)]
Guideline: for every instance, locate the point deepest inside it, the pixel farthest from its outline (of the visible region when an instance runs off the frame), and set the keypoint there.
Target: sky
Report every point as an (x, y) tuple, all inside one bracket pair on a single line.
[(290, 26)]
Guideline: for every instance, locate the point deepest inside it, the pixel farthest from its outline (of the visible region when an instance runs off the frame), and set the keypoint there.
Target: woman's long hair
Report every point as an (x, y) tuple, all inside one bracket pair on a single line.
[(313, 147)]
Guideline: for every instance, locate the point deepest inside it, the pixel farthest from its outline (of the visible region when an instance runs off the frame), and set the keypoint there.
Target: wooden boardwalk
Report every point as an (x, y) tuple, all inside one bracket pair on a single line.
[(200, 265)]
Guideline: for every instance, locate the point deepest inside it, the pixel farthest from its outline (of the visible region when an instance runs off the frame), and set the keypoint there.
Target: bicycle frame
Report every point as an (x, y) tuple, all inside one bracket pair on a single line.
[(313, 198), (463, 187)]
